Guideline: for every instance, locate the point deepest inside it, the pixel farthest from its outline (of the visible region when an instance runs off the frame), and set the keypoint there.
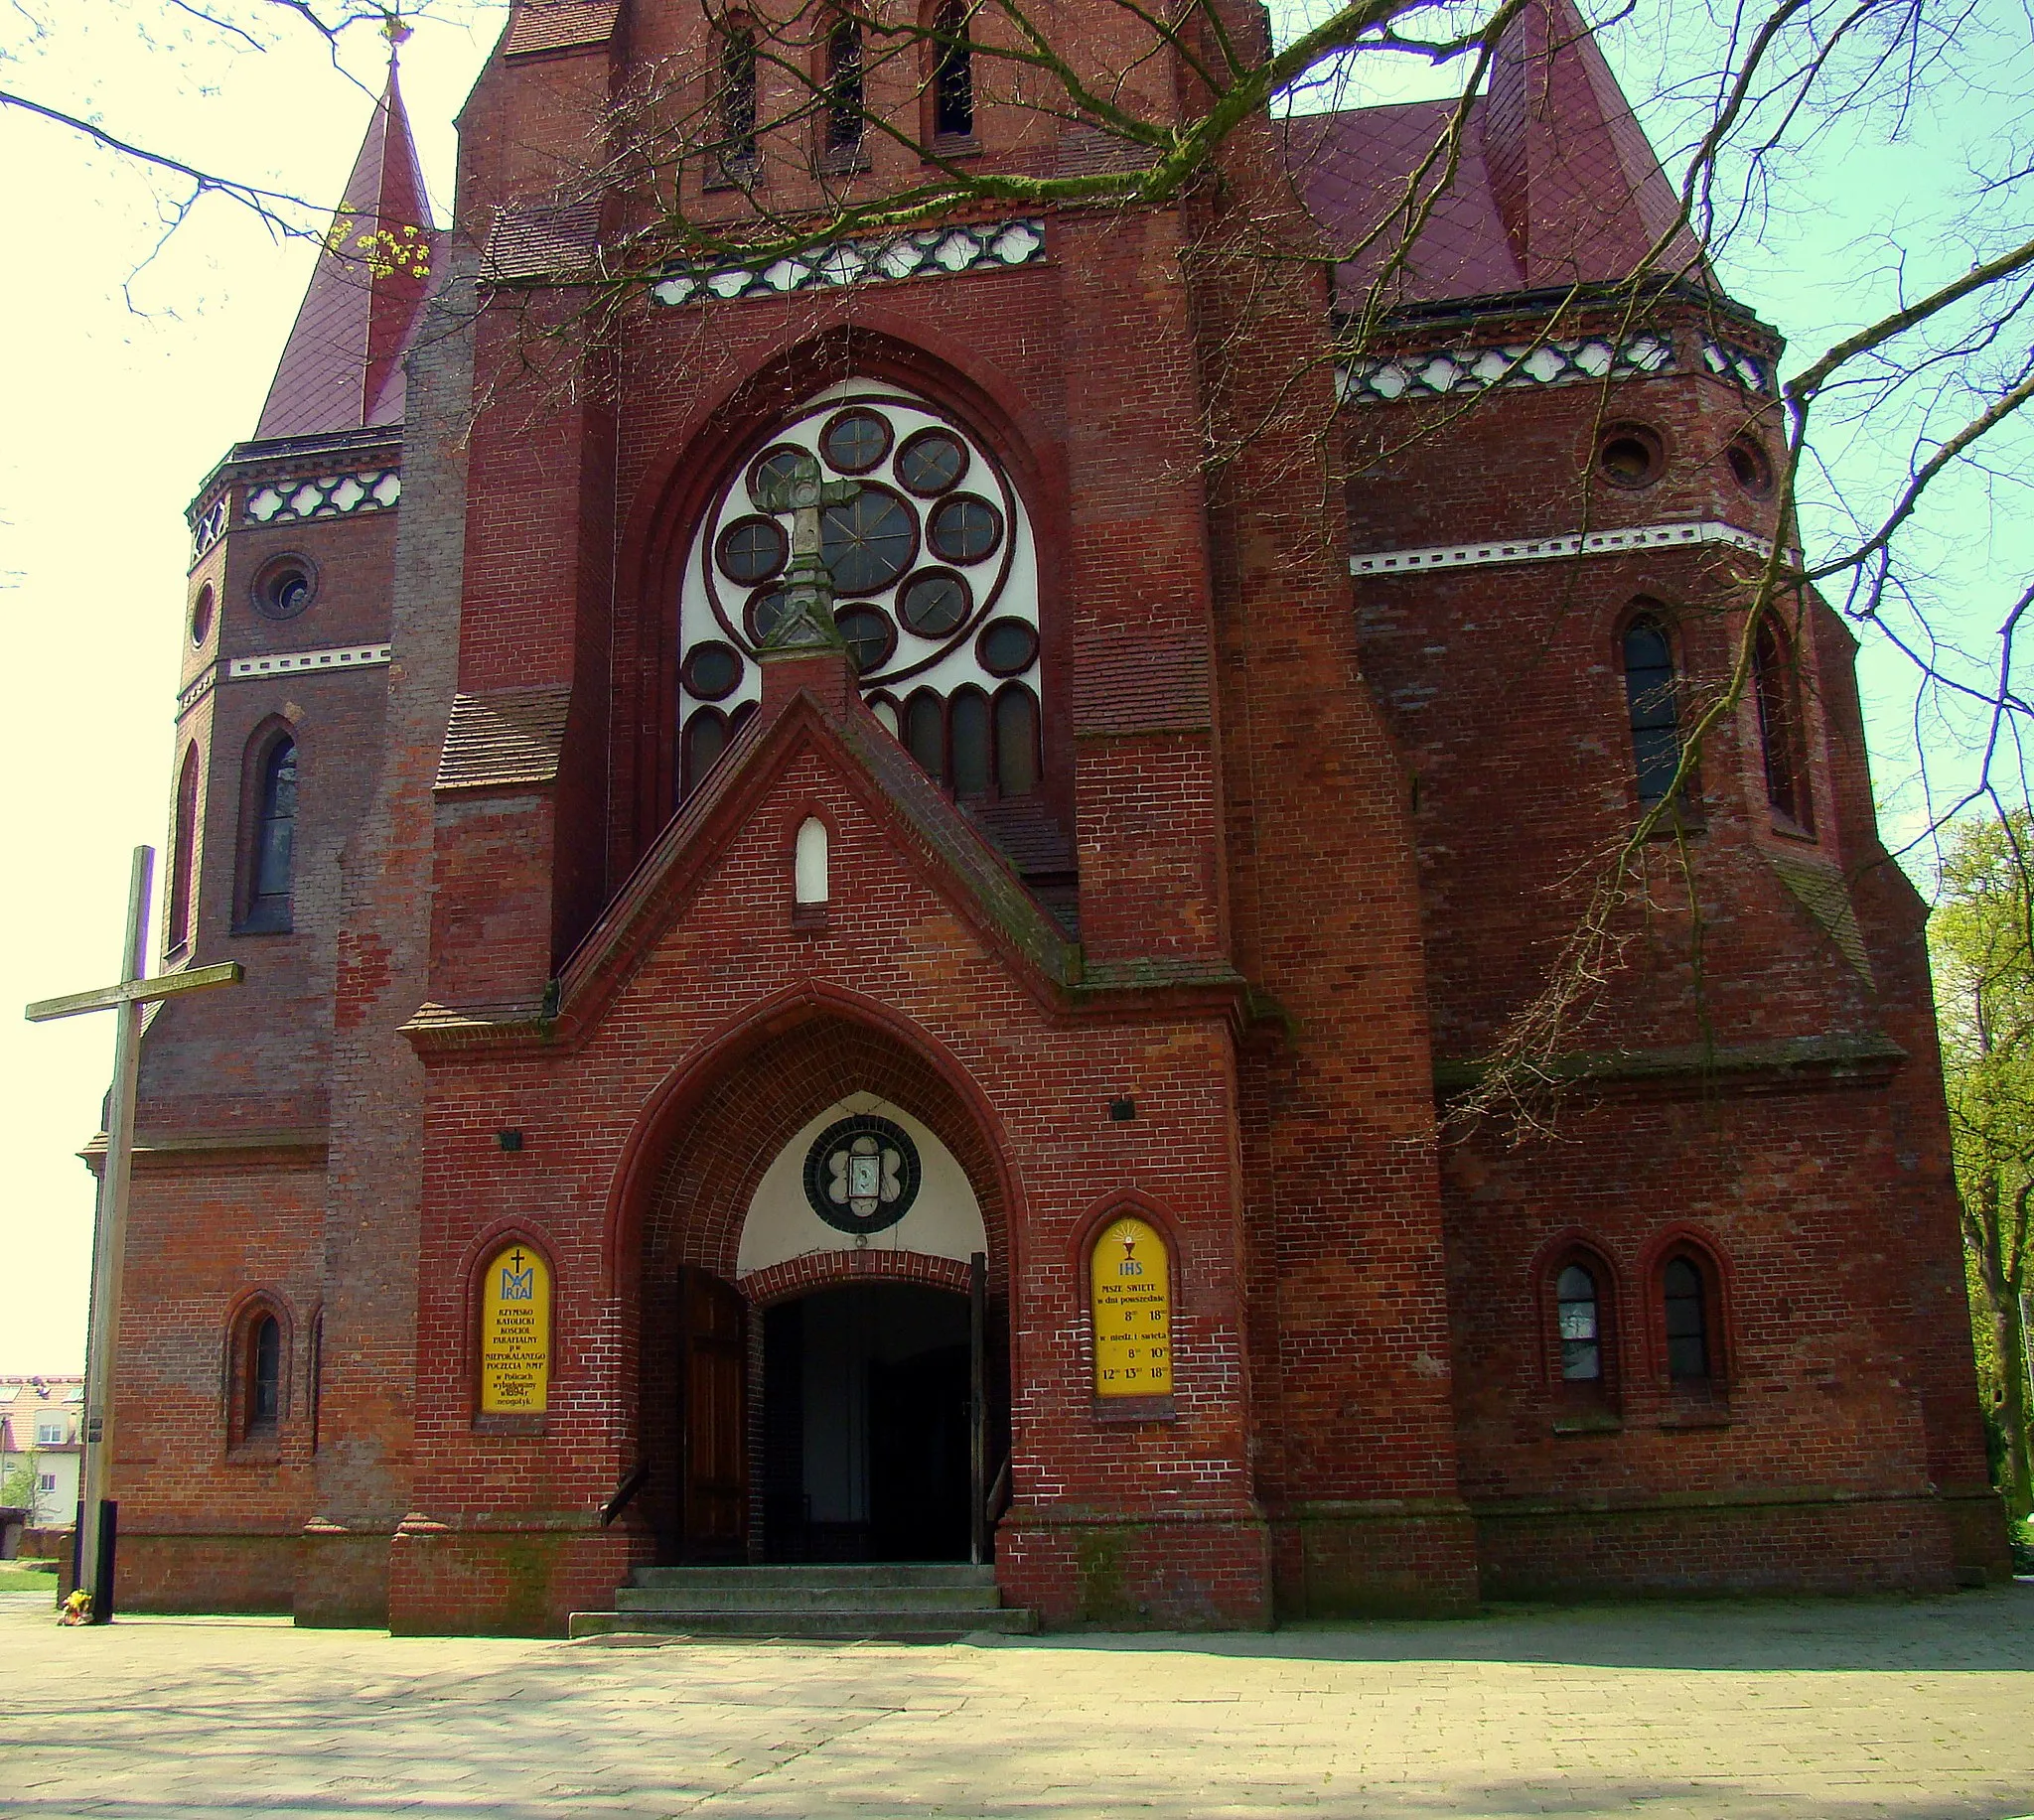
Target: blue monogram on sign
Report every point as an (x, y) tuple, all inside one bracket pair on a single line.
[(519, 1284)]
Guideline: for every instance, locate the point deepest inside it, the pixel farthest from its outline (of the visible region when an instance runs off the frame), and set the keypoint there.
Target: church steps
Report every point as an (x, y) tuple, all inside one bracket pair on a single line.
[(909, 1598)]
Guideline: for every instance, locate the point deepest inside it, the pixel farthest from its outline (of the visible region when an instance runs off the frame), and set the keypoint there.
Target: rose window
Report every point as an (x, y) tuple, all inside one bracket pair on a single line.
[(936, 588)]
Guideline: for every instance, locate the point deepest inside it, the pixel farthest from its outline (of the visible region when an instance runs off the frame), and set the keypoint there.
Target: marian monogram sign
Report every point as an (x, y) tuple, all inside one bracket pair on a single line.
[(516, 1334), (1131, 1278)]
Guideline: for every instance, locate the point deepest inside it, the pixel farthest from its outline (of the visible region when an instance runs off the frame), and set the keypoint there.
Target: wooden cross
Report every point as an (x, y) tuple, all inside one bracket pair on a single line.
[(109, 1243)]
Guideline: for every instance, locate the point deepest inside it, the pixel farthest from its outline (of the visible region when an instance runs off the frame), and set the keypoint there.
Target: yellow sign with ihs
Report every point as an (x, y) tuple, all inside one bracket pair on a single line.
[(516, 1334), (1132, 1283)]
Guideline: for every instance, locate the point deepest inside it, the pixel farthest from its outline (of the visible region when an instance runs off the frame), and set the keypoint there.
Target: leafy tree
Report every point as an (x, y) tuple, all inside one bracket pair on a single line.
[(19, 1488), (1983, 937)]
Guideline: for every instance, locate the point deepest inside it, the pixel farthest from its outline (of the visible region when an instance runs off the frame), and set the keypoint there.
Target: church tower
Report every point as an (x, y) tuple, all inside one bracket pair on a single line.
[(861, 919)]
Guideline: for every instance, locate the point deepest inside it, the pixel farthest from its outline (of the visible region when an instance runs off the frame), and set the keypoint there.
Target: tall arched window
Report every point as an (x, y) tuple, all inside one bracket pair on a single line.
[(925, 732), (275, 839), (265, 1375), (1689, 1352), (1581, 1324), (1650, 699), (738, 111), (952, 73), (1016, 739), (184, 861), (843, 89), (1779, 733), (967, 722)]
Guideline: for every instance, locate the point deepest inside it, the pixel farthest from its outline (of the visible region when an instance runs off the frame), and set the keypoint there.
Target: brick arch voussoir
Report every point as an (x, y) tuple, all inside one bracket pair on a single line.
[(742, 1122)]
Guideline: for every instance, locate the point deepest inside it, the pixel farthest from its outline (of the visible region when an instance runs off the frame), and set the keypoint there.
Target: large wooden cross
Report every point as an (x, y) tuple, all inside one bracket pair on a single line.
[(110, 1241)]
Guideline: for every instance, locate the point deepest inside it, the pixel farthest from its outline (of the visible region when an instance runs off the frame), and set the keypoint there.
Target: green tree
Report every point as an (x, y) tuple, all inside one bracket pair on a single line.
[(18, 1486), (1983, 939)]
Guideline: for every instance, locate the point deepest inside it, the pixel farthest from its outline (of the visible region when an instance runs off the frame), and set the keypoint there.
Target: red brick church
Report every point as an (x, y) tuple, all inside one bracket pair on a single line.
[(865, 883)]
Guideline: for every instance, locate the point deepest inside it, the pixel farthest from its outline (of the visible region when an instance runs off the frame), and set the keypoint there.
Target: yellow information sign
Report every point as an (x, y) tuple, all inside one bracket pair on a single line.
[(1132, 1283), (516, 1334)]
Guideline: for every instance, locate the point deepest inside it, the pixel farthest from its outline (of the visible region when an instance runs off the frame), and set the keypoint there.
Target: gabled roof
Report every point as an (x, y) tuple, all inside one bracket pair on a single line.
[(342, 367), (1555, 183)]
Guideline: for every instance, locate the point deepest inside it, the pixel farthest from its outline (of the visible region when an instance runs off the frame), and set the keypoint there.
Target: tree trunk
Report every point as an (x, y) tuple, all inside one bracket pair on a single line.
[(2009, 1322)]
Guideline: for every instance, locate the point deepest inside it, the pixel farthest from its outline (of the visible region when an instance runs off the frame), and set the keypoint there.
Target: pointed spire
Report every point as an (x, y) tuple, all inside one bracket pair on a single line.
[(342, 367), (1579, 187)]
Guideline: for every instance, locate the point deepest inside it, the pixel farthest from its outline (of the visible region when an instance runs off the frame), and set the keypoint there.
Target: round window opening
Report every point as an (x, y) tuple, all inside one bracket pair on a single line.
[(930, 462), (855, 441), (869, 542), (284, 587), (1630, 456), (936, 603), (1007, 647), (752, 550), (964, 528), (868, 634), (200, 615), (862, 1174), (773, 469), (1750, 466), (712, 670)]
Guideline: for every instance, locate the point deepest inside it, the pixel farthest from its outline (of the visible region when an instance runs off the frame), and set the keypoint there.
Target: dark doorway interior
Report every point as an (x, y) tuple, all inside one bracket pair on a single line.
[(865, 1420)]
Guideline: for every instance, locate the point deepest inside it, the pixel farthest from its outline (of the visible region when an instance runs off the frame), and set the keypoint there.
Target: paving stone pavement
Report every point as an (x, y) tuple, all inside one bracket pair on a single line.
[(1922, 1709)]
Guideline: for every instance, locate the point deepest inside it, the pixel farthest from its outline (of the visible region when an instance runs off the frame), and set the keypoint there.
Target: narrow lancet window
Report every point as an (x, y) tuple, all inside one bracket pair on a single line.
[(952, 73), (845, 89), (738, 97), (1580, 1326), (1688, 1321), (1650, 697), (1779, 699)]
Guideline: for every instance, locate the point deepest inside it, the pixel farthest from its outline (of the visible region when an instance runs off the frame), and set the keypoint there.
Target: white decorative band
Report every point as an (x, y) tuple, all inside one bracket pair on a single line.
[(347, 656), (1452, 371), (208, 530), (926, 252), (1547, 550), (331, 495)]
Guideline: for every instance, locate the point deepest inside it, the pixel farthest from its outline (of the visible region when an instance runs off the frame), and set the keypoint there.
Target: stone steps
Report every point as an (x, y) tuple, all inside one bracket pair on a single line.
[(874, 1599)]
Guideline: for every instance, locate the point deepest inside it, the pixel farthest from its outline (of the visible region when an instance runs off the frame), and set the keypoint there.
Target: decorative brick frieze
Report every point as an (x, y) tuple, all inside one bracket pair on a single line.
[(1448, 373), (331, 495), (284, 663), (925, 253)]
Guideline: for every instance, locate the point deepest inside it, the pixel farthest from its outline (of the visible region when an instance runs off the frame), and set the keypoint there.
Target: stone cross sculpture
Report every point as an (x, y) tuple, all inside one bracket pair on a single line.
[(806, 621)]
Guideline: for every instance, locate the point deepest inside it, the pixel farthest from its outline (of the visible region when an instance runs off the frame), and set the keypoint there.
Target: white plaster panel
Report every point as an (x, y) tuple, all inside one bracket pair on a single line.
[(944, 1220)]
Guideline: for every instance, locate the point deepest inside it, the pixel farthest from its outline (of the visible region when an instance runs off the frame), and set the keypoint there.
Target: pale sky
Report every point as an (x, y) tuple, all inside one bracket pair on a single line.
[(129, 376)]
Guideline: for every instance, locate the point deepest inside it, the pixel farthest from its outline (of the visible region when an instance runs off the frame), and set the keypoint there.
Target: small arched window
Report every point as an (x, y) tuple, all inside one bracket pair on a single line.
[(968, 720), (1650, 698), (810, 885), (1016, 739), (843, 88), (737, 111), (706, 735), (1780, 733), (184, 861), (272, 860), (1685, 1295), (264, 1374), (952, 73), (1581, 1324), (925, 732)]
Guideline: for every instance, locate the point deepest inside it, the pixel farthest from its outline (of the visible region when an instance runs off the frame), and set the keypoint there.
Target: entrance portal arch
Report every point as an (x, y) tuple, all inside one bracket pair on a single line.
[(825, 1170)]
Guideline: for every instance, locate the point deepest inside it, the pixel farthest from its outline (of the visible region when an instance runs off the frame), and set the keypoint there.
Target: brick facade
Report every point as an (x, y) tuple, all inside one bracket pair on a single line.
[(539, 987)]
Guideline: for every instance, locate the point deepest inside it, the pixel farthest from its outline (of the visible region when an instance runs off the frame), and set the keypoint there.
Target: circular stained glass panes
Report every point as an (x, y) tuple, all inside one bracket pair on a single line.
[(868, 543), (773, 465), (1007, 647), (935, 602), (752, 550), (869, 635), (284, 586), (863, 1174), (931, 462), (855, 441), (764, 610), (200, 615), (964, 528), (712, 670)]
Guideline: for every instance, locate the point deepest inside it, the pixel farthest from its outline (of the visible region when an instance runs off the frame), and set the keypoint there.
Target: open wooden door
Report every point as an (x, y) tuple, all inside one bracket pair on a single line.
[(714, 1357)]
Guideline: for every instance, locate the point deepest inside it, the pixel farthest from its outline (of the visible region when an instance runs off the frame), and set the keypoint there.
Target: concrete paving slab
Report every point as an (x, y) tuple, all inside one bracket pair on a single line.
[(1917, 1708)]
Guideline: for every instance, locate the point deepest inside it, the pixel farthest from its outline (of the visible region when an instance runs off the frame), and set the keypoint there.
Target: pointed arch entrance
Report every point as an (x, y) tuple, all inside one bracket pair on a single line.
[(824, 1331)]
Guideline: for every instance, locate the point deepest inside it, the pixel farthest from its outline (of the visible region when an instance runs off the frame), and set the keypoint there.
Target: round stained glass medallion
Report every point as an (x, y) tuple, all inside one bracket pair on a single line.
[(750, 550), (935, 602), (868, 543), (963, 528), (862, 1174), (855, 441), (712, 670), (771, 466), (931, 462), (1007, 647), (868, 634)]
